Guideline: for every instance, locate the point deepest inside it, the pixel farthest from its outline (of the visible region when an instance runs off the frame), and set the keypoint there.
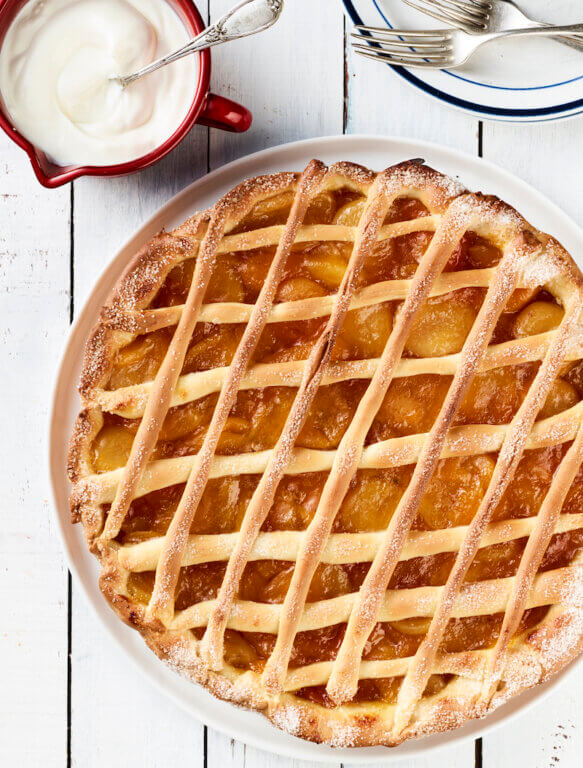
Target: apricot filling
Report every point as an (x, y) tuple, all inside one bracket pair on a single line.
[(411, 405)]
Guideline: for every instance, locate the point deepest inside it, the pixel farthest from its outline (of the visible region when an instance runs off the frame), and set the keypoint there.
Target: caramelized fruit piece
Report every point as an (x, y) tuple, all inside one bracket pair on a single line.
[(238, 652), (211, 346), (471, 633), (256, 420), (225, 284), (495, 396), (184, 420), (474, 632), (111, 448), (253, 268), (414, 626), (267, 581), (436, 684), (349, 214), (364, 332), (296, 288), (295, 502), (197, 583), (440, 327), (496, 562), (538, 317), (371, 500), (139, 361), (321, 209), (520, 298), (431, 571), (562, 549), (409, 407), (140, 586), (267, 213), (455, 491), (229, 494), (384, 689), (327, 263), (386, 642), (316, 645), (176, 286), (473, 252), (410, 249), (562, 396), (573, 373), (150, 515), (322, 432), (482, 253), (574, 501), (405, 209), (235, 435), (530, 483), (309, 647), (395, 258), (294, 340)]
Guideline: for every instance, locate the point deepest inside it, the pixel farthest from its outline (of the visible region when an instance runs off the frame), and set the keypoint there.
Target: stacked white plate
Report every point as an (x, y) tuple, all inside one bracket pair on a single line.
[(521, 80)]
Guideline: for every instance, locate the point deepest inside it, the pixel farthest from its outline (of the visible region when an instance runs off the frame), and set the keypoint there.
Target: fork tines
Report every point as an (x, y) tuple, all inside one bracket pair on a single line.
[(429, 48), (472, 15)]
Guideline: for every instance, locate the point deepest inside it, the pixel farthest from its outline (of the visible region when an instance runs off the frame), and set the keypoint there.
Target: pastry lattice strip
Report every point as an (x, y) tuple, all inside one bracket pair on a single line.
[(177, 313), (346, 460), (395, 452), (506, 465), (340, 548), (168, 570), (546, 524), (377, 205), (130, 401)]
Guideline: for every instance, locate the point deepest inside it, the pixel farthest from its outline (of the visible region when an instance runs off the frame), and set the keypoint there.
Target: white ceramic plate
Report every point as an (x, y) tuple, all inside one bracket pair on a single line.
[(376, 153), (515, 80)]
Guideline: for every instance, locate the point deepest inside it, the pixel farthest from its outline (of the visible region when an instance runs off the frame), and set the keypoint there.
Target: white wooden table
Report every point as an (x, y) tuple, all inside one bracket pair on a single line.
[(66, 696)]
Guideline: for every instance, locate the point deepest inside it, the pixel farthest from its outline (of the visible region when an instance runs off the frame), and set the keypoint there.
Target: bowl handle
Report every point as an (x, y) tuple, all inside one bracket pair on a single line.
[(225, 114)]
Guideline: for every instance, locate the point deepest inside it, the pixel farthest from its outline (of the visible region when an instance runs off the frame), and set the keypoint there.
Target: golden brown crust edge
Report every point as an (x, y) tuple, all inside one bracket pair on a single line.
[(544, 654)]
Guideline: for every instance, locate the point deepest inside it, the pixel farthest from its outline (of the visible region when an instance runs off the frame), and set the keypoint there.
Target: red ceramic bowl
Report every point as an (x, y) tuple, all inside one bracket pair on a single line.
[(206, 109)]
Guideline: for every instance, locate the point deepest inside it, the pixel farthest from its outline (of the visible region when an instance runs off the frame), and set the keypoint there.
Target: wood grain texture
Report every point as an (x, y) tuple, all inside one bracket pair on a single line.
[(123, 715), (34, 308)]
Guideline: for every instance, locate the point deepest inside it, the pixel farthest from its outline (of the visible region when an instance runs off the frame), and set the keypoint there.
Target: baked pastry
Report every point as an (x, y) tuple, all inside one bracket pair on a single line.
[(329, 452)]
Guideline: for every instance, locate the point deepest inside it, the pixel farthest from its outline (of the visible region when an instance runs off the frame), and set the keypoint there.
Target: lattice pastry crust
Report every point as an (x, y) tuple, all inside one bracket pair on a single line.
[(192, 638)]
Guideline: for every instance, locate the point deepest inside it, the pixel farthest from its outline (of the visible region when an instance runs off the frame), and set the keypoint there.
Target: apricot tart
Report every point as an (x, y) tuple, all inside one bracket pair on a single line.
[(330, 451)]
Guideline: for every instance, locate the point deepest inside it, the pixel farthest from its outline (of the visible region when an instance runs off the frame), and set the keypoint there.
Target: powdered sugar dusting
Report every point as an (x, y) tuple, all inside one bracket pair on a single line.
[(460, 212)]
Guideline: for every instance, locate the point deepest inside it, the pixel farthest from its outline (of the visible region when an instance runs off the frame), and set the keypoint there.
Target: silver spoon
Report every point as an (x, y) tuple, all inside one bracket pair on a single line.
[(244, 19)]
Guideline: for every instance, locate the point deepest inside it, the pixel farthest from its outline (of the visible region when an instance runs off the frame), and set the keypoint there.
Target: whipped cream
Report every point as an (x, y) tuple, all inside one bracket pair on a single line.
[(56, 65)]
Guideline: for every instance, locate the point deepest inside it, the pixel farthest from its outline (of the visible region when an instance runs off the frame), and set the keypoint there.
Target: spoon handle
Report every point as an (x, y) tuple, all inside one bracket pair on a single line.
[(246, 18)]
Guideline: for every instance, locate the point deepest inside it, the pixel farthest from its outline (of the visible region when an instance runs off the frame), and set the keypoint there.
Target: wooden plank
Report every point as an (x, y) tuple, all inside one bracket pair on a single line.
[(34, 304), (294, 95), (545, 155), (123, 717), (224, 752), (291, 77)]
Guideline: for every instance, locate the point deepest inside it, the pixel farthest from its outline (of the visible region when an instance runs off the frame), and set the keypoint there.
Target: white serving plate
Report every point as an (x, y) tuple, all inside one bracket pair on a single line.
[(376, 153), (522, 80)]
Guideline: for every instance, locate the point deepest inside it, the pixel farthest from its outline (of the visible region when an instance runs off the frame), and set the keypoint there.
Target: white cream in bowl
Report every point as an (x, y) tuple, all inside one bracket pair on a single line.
[(56, 64)]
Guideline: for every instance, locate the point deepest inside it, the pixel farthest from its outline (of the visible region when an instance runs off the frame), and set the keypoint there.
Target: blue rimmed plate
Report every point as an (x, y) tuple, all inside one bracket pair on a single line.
[(515, 80)]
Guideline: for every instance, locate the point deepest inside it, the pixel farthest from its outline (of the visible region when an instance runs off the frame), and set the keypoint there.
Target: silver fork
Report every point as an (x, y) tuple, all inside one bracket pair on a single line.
[(437, 48), (479, 16)]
